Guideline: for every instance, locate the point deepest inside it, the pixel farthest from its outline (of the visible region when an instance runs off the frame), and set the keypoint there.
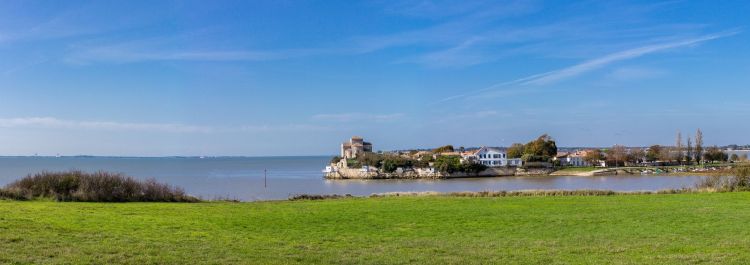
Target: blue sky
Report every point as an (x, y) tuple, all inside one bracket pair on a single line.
[(157, 78)]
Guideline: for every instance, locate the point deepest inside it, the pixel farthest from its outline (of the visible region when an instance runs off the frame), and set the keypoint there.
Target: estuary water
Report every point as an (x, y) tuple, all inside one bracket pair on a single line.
[(242, 178)]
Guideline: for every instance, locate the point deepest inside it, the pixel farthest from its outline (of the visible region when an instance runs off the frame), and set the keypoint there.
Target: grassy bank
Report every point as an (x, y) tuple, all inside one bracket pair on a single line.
[(671, 228)]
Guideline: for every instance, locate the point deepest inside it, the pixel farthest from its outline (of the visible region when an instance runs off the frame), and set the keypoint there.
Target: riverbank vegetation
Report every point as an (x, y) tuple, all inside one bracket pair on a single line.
[(92, 187), (632, 229), (739, 180), (389, 163)]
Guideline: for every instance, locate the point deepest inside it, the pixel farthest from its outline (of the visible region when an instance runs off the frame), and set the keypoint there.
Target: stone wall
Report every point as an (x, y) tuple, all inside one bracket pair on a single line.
[(534, 171)]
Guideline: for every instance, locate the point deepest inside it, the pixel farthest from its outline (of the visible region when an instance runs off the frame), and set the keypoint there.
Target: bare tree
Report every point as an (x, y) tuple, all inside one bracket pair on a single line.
[(617, 154), (678, 148), (665, 154), (636, 155), (698, 145), (689, 151)]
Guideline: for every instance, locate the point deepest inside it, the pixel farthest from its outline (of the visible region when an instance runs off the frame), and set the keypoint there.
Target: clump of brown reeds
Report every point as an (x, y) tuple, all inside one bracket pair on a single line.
[(92, 187), (529, 193), (298, 197)]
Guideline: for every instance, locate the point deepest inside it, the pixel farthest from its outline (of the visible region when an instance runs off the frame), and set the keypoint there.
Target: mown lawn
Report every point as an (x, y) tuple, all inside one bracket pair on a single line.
[(623, 229)]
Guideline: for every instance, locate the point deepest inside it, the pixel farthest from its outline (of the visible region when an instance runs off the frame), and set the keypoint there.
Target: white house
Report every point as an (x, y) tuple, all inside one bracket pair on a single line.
[(491, 157), (575, 159)]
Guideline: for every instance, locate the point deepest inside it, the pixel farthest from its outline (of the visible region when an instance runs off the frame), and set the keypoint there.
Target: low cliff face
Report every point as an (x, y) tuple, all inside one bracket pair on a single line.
[(355, 173)]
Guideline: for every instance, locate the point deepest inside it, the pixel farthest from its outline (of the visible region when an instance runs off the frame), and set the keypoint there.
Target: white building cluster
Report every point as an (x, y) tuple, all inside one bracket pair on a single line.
[(491, 157)]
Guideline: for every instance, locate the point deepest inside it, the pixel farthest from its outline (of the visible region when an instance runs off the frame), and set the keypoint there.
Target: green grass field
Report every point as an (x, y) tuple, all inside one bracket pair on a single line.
[(622, 229)]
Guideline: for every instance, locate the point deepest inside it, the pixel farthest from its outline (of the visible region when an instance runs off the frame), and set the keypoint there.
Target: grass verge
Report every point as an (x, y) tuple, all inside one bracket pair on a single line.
[(634, 229)]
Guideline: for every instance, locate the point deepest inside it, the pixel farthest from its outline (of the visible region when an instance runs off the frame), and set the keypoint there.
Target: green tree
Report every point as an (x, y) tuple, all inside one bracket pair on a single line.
[(516, 150), (653, 153), (541, 150), (473, 168), (370, 159), (391, 163), (335, 159), (714, 154), (448, 164), (443, 149)]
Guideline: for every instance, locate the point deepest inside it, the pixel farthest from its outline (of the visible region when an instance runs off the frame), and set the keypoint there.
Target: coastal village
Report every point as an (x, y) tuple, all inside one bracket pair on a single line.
[(541, 156)]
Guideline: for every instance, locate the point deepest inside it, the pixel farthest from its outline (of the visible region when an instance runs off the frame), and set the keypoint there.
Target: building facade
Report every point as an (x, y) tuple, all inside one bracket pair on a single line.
[(491, 157), (573, 159), (355, 146)]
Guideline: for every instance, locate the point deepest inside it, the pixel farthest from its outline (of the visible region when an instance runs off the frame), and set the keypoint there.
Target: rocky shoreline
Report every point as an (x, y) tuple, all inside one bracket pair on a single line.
[(419, 173)]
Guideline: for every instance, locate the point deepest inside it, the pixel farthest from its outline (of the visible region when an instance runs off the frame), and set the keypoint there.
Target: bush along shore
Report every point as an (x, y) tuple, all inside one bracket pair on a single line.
[(390, 166), (734, 180), (81, 186)]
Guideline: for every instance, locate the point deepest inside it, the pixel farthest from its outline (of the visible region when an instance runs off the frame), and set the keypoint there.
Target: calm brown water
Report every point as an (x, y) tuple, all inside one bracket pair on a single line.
[(242, 177)]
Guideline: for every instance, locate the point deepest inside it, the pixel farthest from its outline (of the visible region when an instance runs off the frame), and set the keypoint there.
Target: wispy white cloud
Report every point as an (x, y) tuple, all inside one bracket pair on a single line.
[(590, 65), (55, 123), (550, 77), (119, 55), (355, 116)]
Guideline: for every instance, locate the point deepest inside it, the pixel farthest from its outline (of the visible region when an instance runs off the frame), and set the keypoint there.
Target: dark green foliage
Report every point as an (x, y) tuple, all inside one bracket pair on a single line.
[(714, 154), (443, 149), (312, 197), (391, 163), (653, 153), (515, 151), (451, 164), (448, 164), (335, 159), (540, 150), (93, 187), (386, 162), (370, 159), (473, 168), (353, 163)]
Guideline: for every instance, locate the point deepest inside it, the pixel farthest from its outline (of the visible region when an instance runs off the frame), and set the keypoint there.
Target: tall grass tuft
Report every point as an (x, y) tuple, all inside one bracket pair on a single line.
[(92, 187), (738, 181), (529, 193), (300, 197)]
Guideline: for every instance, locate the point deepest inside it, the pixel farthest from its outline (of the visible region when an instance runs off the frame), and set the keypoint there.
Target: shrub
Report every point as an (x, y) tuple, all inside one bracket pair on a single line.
[(473, 168), (391, 162), (93, 187), (299, 197), (443, 149), (739, 181), (448, 164)]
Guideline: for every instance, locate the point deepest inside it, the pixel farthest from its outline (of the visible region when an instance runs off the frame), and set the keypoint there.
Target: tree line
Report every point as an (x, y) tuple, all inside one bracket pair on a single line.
[(690, 151)]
